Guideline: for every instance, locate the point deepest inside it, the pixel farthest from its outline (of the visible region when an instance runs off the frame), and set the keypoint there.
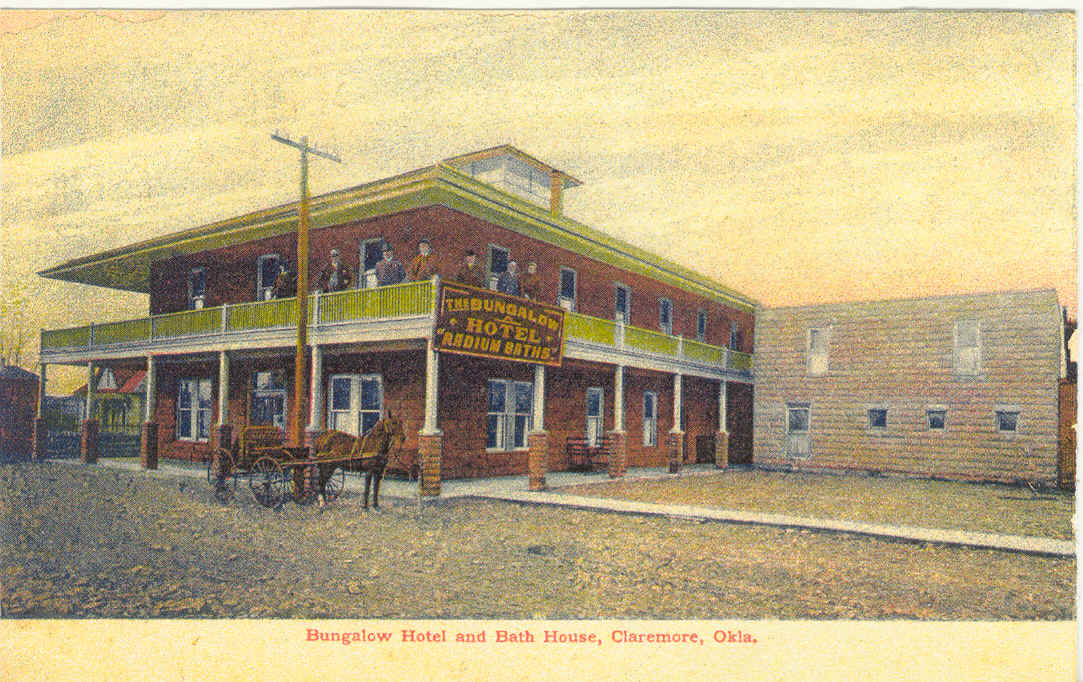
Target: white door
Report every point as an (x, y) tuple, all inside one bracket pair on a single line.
[(595, 400), (354, 402), (798, 441)]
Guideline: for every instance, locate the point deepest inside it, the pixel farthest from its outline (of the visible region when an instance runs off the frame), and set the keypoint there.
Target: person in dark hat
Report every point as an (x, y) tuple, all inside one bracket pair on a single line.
[(508, 282), (530, 282), (423, 266), (389, 270), (336, 276), (285, 285), (470, 273)]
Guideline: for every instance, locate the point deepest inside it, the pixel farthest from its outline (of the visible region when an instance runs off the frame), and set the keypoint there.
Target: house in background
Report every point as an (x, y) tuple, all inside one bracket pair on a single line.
[(119, 399), (959, 387), (18, 404), (654, 358)]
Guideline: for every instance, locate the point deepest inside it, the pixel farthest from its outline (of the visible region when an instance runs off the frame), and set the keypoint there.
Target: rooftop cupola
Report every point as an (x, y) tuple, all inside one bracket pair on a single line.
[(518, 173)]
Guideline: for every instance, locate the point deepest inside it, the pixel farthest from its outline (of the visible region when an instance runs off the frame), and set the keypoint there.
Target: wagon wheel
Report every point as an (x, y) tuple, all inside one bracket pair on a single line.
[(333, 488), (222, 475), (268, 482)]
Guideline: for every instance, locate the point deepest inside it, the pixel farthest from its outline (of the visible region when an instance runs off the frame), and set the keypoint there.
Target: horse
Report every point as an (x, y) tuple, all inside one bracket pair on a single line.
[(367, 453)]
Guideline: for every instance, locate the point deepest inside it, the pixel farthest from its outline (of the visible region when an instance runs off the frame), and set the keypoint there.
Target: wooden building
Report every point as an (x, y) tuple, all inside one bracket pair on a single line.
[(18, 401), (955, 386), (654, 355)]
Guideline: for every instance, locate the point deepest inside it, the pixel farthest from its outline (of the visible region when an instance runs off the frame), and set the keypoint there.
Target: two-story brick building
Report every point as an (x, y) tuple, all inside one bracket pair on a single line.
[(655, 356), (952, 386)]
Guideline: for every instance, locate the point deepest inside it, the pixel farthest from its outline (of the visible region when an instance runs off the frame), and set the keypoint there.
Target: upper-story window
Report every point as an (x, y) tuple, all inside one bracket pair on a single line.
[(266, 273), (197, 288), (817, 352), (735, 335), (966, 355), (498, 263), (370, 255), (701, 325), (665, 315), (623, 304), (566, 299)]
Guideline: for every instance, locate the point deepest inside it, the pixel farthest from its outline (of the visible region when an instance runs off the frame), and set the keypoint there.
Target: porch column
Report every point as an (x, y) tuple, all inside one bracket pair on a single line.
[(148, 436), (88, 442), (722, 438), (430, 439), (41, 431), (315, 399), (618, 446), (676, 435), (538, 438), (223, 432)]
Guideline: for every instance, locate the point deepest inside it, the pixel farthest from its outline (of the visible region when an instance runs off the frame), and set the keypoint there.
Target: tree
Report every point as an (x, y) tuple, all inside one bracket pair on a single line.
[(15, 333)]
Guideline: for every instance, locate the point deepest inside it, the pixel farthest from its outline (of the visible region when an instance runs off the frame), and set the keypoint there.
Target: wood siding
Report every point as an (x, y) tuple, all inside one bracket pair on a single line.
[(898, 355)]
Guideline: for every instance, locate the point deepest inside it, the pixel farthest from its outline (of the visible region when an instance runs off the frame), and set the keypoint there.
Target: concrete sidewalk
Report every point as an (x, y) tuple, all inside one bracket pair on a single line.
[(514, 489)]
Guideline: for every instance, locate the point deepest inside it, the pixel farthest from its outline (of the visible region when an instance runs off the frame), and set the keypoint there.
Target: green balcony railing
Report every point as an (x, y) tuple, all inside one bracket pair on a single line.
[(118, 332), (704, 352), (653, 342), (592, 329), (64, 338), (398, 300), (264, 314), (741, 361), (187, 323)]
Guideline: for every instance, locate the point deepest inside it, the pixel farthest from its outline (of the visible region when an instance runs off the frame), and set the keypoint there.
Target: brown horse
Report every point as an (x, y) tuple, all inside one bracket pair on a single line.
[(367, 453)]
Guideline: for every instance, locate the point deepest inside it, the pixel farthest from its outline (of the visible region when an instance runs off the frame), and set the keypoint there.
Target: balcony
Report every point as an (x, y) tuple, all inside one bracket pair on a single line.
[(402, 311)]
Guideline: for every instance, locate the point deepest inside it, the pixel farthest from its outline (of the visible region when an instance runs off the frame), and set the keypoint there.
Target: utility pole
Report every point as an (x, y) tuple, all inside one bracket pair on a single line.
[(300, 383)]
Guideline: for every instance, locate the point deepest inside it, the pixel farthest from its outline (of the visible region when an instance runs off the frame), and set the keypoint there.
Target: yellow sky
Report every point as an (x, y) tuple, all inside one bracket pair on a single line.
[(799, 157)]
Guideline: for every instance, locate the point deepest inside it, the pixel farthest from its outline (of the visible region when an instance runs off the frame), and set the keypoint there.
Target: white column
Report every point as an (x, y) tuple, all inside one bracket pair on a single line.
[(315, 400), (150, 404), (539, 397), (618, 399), (432, 385), (722, 387), (89, 390), (676, 404), (223, 388)]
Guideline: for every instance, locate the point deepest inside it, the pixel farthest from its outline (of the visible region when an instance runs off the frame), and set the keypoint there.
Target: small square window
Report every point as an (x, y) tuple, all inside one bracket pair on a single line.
[(878, 418), (1007, 421), (937, 419)]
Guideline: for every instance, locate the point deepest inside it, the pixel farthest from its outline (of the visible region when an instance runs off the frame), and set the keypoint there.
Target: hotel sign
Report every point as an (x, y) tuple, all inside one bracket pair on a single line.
[(488, 324)]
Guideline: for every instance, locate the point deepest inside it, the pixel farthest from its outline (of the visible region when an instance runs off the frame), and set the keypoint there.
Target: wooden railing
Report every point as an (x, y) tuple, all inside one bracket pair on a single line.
[(400, 300)]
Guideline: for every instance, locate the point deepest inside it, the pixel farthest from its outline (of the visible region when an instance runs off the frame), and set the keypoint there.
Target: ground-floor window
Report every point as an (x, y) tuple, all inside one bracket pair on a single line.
[(595, 400), (268, 405), (650, 418), (798, 442), (194, 409), (510, 414), (354, 402), (1007, 420), (937, 418)]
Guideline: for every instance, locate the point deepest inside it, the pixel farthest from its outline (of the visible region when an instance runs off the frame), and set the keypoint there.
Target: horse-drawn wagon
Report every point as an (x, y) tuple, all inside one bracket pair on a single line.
[(276, 472)]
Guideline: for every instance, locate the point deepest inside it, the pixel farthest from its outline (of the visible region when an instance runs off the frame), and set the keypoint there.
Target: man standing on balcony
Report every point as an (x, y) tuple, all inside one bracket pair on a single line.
[(285, 286), (423, 266), (470, 273), (530, 283), (335, 277), (389, 271), (508, 282)]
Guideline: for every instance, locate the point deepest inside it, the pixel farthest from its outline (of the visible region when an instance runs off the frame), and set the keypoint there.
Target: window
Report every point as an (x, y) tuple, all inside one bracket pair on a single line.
[(623, 304), (197, 288), (798, 441), (498, 263), (266, 274), (878, 418), (194, 409), (1007, 420), (371, 253), (937, 418), (701, 326), (665, 315), (106, 380), (510, 414), (268, 404), (595, 401), (735, 336), (354, 402), (650, 418), (566, 299), (966, 358), (817, 352)]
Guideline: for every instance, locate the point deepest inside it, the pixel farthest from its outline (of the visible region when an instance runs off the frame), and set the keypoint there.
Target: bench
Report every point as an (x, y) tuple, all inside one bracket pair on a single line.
[(582, 456)]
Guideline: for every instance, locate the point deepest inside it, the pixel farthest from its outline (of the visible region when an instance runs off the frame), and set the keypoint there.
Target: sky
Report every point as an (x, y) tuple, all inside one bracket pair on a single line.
[(799, 157)]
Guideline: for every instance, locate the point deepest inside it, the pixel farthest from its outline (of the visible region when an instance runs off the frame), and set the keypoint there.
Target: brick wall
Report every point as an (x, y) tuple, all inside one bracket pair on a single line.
[(231, 272)]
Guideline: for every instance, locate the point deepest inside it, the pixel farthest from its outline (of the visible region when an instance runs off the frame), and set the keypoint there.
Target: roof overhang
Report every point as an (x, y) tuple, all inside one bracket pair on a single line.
[(128, 268)]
